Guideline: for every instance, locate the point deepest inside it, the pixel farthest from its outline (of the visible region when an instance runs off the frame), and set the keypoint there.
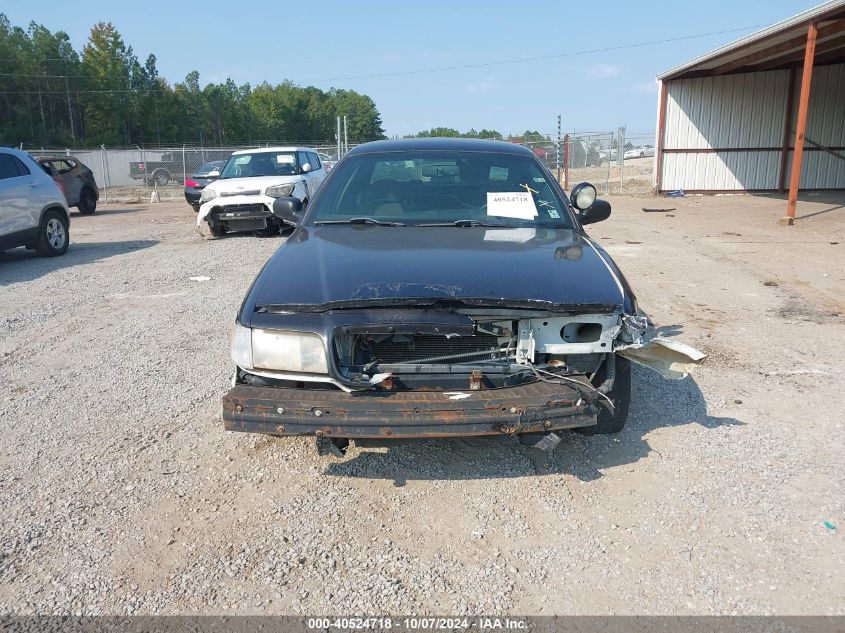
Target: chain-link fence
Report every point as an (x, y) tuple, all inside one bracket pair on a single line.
[(596, 157), (615, 162), (131, 173)]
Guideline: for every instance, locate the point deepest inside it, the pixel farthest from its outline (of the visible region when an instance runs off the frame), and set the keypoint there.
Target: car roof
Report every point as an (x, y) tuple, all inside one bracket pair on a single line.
[(257, 150), (61, 157), (445, 144)]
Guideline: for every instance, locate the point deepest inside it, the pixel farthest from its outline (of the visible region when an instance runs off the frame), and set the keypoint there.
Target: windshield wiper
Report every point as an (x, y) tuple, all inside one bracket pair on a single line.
[(361, 221), (469, 223)]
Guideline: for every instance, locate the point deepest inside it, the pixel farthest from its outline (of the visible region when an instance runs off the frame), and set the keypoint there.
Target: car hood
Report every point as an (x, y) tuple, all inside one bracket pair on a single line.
[(240, 186), (342, 266)]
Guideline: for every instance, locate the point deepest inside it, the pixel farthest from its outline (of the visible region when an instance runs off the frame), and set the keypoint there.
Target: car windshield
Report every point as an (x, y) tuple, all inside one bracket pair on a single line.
[(441, 188), (260, 164), (204, 170)]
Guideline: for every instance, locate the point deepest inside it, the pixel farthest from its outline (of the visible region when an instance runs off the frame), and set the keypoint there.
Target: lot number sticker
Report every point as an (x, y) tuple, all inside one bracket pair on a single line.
[(517, 204)]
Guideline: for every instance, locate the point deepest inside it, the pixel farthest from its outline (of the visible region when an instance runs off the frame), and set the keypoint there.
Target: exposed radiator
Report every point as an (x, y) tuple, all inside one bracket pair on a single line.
[(431, 348)]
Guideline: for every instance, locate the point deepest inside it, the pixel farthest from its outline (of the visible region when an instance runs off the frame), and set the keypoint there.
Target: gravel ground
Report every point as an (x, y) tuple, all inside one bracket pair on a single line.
[(120, 492)]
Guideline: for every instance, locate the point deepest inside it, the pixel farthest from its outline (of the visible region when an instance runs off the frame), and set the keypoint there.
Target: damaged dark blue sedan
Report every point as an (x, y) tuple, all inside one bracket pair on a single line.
[(436, 288)]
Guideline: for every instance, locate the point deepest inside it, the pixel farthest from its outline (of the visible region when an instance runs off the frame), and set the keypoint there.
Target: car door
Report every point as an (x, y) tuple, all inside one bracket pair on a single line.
[(15, 192), (71, 181), (310, 183), (318, 172)]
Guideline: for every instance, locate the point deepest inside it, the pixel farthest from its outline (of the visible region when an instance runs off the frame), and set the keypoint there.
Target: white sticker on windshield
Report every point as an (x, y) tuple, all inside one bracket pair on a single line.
[(516, 204), (285, 159)]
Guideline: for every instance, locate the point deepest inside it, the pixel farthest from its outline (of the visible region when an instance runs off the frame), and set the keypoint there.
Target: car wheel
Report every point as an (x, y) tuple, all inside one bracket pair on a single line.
[(87, 202), (196, 208), (217, 231), (161, 178), (53, 235), (620, 395)]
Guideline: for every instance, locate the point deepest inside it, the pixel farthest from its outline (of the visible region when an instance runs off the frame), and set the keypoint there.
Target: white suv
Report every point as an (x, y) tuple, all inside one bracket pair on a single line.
[(242, 198), (33, 210)]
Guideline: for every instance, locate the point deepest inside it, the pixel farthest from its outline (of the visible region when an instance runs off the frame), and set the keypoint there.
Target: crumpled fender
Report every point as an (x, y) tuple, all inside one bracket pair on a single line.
[(671, 359)]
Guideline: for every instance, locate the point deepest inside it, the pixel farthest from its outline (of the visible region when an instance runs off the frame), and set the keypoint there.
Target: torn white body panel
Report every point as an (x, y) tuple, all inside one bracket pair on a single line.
[(671, 359), (578, 334)]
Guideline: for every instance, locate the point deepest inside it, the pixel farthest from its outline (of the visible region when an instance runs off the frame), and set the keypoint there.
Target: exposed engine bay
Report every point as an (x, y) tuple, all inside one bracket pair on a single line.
[(481, 351)]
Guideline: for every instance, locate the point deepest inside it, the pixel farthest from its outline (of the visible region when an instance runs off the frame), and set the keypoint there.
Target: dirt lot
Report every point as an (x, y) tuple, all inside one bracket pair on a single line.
[(121, 493)]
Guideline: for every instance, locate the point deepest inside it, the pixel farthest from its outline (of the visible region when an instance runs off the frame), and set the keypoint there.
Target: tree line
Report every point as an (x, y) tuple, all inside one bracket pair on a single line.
[(54, 95), (529, 136)]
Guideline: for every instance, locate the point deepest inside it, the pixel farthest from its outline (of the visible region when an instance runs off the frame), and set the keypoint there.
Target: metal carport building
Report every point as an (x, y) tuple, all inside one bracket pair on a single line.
[(755, 114)]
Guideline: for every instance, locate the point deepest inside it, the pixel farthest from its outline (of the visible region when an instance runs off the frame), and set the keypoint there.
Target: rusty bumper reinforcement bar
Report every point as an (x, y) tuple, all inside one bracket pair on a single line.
[(528, 408)]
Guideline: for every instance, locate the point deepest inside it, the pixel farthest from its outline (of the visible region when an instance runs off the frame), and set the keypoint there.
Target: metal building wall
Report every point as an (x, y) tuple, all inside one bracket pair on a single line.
[(826, 126), (726, 133)]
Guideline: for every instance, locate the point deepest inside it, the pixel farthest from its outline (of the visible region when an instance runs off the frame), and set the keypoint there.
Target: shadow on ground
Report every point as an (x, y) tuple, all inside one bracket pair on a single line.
[(20, 264), (101, 212), (655, 403)]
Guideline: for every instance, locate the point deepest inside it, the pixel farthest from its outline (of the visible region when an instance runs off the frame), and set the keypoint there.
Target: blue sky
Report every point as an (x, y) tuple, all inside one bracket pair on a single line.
[(312, 42)]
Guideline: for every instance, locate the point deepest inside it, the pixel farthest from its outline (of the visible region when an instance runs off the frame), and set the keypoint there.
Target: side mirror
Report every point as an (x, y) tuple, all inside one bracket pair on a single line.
[(306, 167), (214, 174), (582, 196), (600, 210), (288, 210), (591, 210)]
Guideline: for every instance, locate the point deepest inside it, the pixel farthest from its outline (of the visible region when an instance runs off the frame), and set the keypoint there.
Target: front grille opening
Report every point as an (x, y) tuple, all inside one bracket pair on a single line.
[(435, 349), (404, 353)]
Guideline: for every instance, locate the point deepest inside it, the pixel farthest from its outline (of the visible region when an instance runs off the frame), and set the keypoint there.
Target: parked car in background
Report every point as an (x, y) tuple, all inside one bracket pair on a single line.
[(639, 152), (242, 198), (33, 210), (328, 161), (197, 181), (75, 179), (603, 154)]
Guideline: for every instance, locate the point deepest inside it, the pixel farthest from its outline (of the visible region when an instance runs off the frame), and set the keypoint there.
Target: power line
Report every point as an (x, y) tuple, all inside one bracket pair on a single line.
[(518, 60)]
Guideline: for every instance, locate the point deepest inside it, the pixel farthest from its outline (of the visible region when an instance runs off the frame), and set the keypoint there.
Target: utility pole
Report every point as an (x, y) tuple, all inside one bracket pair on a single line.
[(338, 138), (70, 113), (345, 136), (41, 108)]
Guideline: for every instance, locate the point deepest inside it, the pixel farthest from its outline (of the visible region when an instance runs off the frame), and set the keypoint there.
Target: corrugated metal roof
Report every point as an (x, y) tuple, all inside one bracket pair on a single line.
[(775, 46)]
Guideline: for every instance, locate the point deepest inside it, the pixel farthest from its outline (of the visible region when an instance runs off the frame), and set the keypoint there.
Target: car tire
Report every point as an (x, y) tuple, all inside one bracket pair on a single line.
[(217, 231), (196, 208), (53, 235), (87, 201), (620, 395), (161, 177)]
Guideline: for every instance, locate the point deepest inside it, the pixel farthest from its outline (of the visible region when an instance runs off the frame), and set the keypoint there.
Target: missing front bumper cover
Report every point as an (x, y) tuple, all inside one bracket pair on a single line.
[(535, 407)]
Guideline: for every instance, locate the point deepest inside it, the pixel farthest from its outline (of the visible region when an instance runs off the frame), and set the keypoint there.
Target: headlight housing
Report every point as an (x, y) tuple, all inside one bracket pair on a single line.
[(242, 346), (280, 191), (208, 194), (278, 350)]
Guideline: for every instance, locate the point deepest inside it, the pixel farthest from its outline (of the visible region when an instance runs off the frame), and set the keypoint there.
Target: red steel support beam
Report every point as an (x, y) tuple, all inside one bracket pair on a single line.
[(784, 157), (661, 129), (801, 123)]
